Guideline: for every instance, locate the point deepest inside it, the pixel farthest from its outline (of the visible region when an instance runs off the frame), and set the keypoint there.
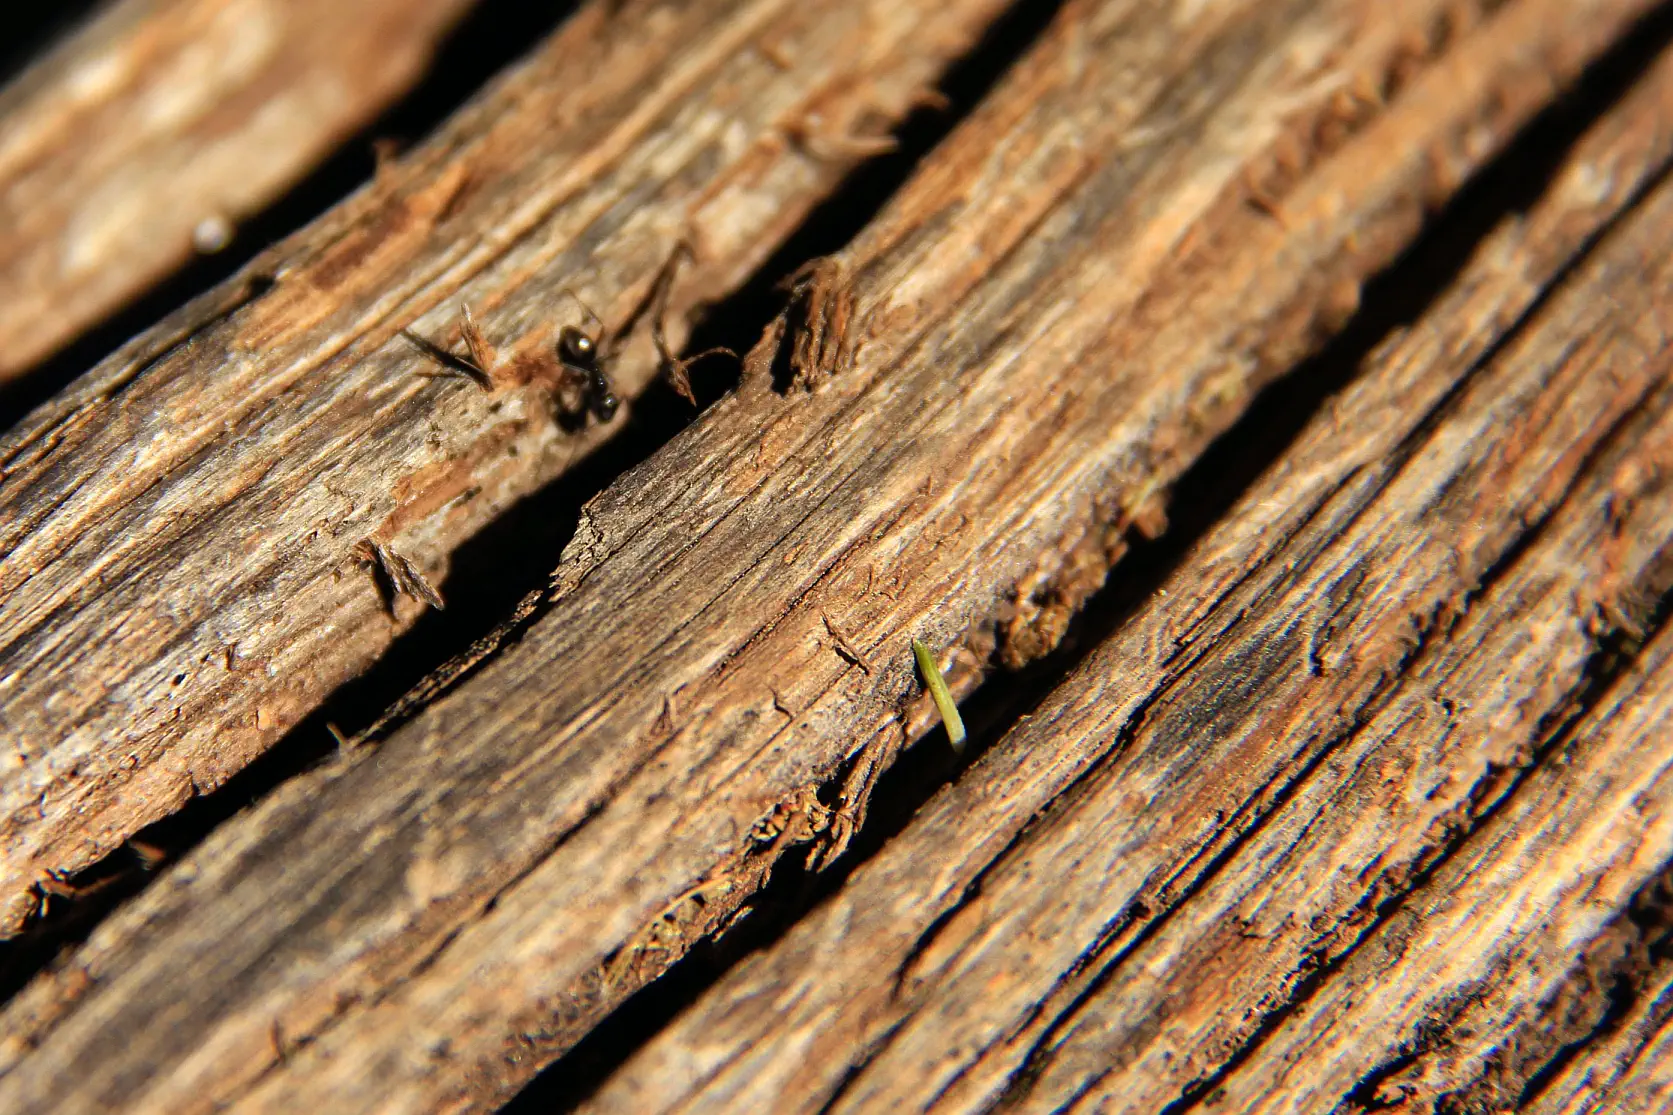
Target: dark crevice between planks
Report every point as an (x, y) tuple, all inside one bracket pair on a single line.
[(1399, 295), (497, 584), (28, 31), (492, 36)]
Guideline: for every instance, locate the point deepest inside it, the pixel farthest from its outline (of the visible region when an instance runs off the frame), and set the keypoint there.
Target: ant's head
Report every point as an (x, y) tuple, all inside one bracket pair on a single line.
[(576, 347)]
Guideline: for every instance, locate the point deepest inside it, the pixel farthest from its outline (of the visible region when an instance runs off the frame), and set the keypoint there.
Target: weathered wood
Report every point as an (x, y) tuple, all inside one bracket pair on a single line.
[(1068, 302), (1336, 686), (158, 127), (183, 574), (1504, 957), (1627, 1065)]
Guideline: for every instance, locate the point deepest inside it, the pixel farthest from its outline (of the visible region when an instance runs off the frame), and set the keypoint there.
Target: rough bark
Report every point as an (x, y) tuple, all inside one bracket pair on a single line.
[(1389, 638), (185, 532), (1149, 220), (155, 130)]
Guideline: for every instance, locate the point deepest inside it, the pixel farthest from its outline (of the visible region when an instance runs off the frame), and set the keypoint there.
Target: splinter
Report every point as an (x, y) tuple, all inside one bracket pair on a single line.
[(677, 370), (393, 574)]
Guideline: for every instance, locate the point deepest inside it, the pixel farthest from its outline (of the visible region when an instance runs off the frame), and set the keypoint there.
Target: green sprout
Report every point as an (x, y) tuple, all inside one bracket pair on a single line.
[(943, 699)]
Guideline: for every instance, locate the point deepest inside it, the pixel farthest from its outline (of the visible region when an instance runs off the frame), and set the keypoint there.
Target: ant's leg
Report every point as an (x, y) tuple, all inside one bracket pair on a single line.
[(678, 371)]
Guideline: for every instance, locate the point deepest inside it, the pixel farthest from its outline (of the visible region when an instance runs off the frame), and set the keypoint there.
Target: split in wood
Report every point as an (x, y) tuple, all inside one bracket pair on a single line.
[(845, 646)]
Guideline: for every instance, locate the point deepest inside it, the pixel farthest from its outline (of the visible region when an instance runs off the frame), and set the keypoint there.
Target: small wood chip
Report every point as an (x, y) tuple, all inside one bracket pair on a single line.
[(404, 576)]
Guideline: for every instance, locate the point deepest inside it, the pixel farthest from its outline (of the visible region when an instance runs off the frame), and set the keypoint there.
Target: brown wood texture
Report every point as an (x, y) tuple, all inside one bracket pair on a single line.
[(162, 125), (1151, 218), (1628, 1063), (1357, 787), (184, 531)]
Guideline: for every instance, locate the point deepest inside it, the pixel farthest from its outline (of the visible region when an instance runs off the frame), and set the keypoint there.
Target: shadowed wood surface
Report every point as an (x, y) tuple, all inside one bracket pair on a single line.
[(1150, 219), (1626, 1062), (155, 129), (184, 532), (1396, 888), (1355, 761)]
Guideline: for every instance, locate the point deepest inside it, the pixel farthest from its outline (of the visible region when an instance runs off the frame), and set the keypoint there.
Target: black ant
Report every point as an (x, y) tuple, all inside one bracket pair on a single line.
[(579, 353), (583, 355), (581, 359)]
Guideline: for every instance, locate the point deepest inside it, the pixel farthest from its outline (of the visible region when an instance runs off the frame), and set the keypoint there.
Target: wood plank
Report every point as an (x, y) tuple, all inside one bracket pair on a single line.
[(1462, 994), (425, 921), (1317, 910), (156, 129), (1286, 690), (1648, 1082), (184, 531), (1627, 1064)]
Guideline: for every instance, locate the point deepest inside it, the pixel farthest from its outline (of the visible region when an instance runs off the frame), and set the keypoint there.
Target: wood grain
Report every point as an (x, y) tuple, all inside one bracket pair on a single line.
[(183, 533), (1331, 696), (1148, 220), (157, 128), (1461, 994), (1626, 1063)]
